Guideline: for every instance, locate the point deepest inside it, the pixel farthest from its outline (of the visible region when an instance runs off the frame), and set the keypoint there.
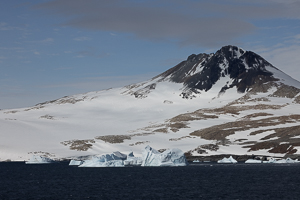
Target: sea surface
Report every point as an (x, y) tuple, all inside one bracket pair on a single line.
[(196, 181)]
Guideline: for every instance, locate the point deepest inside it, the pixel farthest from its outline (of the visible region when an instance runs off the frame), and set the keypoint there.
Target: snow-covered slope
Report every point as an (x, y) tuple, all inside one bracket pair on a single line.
[(232, 101)]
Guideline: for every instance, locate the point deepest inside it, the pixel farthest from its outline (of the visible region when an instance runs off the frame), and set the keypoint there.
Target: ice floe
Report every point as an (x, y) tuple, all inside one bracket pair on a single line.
[(253, 161), (37, 159), (75, 162)]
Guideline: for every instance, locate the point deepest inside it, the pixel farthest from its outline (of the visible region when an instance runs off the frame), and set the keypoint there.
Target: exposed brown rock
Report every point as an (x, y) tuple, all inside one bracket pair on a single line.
[(220, 132), (114, 138), (79, 145), (286, 91)]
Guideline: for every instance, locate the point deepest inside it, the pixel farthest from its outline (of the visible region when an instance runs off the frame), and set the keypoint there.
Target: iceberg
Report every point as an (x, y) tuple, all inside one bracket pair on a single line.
[(75, 162), (36, 159), (170, 157), (227, 160), (253, 161), (281, 161), (108, 160), (132, 160), (271, 160), (288, 160)]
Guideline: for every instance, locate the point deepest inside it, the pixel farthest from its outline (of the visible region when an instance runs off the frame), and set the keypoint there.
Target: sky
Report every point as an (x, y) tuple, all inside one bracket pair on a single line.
[(55, 48)]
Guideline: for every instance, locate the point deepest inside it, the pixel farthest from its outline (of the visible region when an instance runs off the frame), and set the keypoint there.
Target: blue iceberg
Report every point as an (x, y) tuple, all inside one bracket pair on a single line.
[(170, 157)]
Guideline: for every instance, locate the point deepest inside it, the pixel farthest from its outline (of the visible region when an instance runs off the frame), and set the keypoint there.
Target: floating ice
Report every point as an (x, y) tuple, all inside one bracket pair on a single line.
[(253, 161), (36, 159), (227, 160), (288, 160), (107, 160), (170, 157), (132, 160), (75, 162), (271, 160)]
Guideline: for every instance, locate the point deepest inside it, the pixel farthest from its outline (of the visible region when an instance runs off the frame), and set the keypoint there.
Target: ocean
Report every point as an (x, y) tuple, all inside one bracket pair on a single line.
[(196, 181)]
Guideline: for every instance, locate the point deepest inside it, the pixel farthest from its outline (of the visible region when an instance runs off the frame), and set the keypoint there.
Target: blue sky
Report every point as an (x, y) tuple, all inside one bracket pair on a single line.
[(50, 49)]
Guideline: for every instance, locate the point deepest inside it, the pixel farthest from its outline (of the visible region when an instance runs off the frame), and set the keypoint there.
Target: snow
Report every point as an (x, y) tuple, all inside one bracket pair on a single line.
[(283, 77), (110, 111), (170, 157)]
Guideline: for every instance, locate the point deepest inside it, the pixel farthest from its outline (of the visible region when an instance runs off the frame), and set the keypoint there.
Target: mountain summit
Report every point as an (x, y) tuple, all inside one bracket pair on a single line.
[(230, 65), (200, 72), (229, 102)]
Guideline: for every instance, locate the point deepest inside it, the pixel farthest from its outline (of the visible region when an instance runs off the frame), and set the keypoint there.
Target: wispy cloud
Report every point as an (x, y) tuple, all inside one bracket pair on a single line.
[(43, 41), (5, 27), (91, 52), (82, 38), (2, 58)]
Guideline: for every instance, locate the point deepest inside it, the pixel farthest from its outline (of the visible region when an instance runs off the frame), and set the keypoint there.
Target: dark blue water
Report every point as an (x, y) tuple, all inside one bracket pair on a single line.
[(203, 181)]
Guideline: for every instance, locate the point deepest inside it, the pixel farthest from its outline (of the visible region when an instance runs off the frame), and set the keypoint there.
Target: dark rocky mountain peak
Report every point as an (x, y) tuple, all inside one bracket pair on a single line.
[(230, 66), (200, 72)]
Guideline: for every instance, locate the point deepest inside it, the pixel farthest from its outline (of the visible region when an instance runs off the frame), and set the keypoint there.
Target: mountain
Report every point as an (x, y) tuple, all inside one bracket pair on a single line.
[(229, 102)]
